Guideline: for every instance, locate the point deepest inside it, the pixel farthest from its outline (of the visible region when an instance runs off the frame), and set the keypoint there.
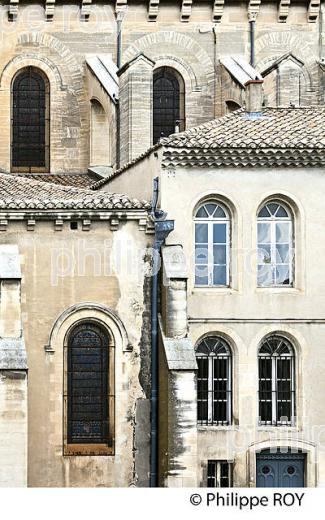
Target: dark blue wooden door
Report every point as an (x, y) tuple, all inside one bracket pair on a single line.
[(280, 469)]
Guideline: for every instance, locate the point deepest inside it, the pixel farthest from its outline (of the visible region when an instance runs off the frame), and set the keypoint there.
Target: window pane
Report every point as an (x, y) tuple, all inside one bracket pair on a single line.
[(219, 233), (265, 275), (219, 275), (201, 213), (264, 233), (201, 275), (219, 254), (264, 254), (282, 232), (282, 275), (201, 233), (264, 213), (282, 212), (201, 254), (211, 208), (282, 254)]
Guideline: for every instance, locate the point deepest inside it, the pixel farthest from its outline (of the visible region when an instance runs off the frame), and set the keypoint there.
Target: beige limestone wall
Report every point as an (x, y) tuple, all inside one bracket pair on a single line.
[(62, 269), (13, 428), (58, 46), (245, 314)]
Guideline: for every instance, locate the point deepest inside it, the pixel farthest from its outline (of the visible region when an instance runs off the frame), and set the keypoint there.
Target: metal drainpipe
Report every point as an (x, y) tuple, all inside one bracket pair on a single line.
[(252, 41), (162, 229), (119, 19)]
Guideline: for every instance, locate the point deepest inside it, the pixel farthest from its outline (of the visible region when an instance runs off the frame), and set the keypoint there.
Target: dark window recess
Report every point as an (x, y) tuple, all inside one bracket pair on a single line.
[(168, 96), (29, 120), (219, 474), (88, 351), (213, 382), (276, 382), (74, 225)]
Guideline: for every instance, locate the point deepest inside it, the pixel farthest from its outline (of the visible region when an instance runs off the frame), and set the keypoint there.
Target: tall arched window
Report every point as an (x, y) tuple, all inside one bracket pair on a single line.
[(89, 389), (168, 103), (275, 245), (276, 366), (214, 385), (30, 121), (212, 244)]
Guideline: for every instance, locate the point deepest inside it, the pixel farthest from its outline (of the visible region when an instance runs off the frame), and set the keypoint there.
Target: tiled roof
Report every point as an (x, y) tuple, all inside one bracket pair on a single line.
[(276, 128), (19, 193), (279, 137), (78, 180)]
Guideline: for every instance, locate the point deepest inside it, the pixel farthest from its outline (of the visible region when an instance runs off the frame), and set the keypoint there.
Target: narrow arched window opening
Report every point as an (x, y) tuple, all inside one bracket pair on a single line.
[(275, 245), (30, 121), (99, 136), (276, 365), (89, 386), (168, 103), (212, 244), (214, 381)]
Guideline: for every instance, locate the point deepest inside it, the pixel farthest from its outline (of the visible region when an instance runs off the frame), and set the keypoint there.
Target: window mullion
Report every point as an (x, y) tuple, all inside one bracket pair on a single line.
[(274, 390), (210, 389), (210, 253)]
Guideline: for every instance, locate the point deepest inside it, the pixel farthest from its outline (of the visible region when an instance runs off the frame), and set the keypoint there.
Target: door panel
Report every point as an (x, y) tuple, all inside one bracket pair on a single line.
[(280, 469)]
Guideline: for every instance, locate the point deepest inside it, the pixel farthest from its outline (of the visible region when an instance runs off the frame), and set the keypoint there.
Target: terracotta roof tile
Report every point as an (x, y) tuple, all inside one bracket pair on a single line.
[(21, 193)]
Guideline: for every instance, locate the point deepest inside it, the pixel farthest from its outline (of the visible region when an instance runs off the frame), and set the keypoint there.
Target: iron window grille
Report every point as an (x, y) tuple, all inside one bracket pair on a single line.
[(214, 385), (276, 399), (30, 121), (168, 103), (212, 245), (219, 474), (88, 385), (275, 245)]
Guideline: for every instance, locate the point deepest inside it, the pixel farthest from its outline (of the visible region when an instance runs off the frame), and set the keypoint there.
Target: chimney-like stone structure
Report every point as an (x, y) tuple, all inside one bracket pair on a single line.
[(254, 96)]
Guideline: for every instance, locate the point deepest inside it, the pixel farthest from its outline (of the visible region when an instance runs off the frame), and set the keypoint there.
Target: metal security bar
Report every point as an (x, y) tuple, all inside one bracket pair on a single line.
[(88, 358), (168, 101), (30, 121), (219, 474), (214, 394), (276, 393)]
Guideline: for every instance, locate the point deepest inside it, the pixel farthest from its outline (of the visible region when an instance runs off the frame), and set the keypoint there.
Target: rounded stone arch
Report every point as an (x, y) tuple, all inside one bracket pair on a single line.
[(232, 105), (19, 62), (38, 39), (179, 65), (146, 44), (295, 443), (87, 311)]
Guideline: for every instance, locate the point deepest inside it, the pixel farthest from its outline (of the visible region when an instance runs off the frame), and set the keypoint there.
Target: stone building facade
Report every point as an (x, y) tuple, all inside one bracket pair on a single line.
[(79, 110), (241, 317)]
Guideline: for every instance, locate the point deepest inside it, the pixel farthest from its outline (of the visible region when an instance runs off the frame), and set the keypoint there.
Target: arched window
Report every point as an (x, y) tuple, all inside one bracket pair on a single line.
[(168, 103), (214, 385), (212, 244), (99, 135), (276, 366), (89, 403), (275, 245), (232, 106), (30, 121)]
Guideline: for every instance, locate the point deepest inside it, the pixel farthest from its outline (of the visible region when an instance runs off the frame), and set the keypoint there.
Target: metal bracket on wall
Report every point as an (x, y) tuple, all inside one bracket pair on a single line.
[(253, 10)]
